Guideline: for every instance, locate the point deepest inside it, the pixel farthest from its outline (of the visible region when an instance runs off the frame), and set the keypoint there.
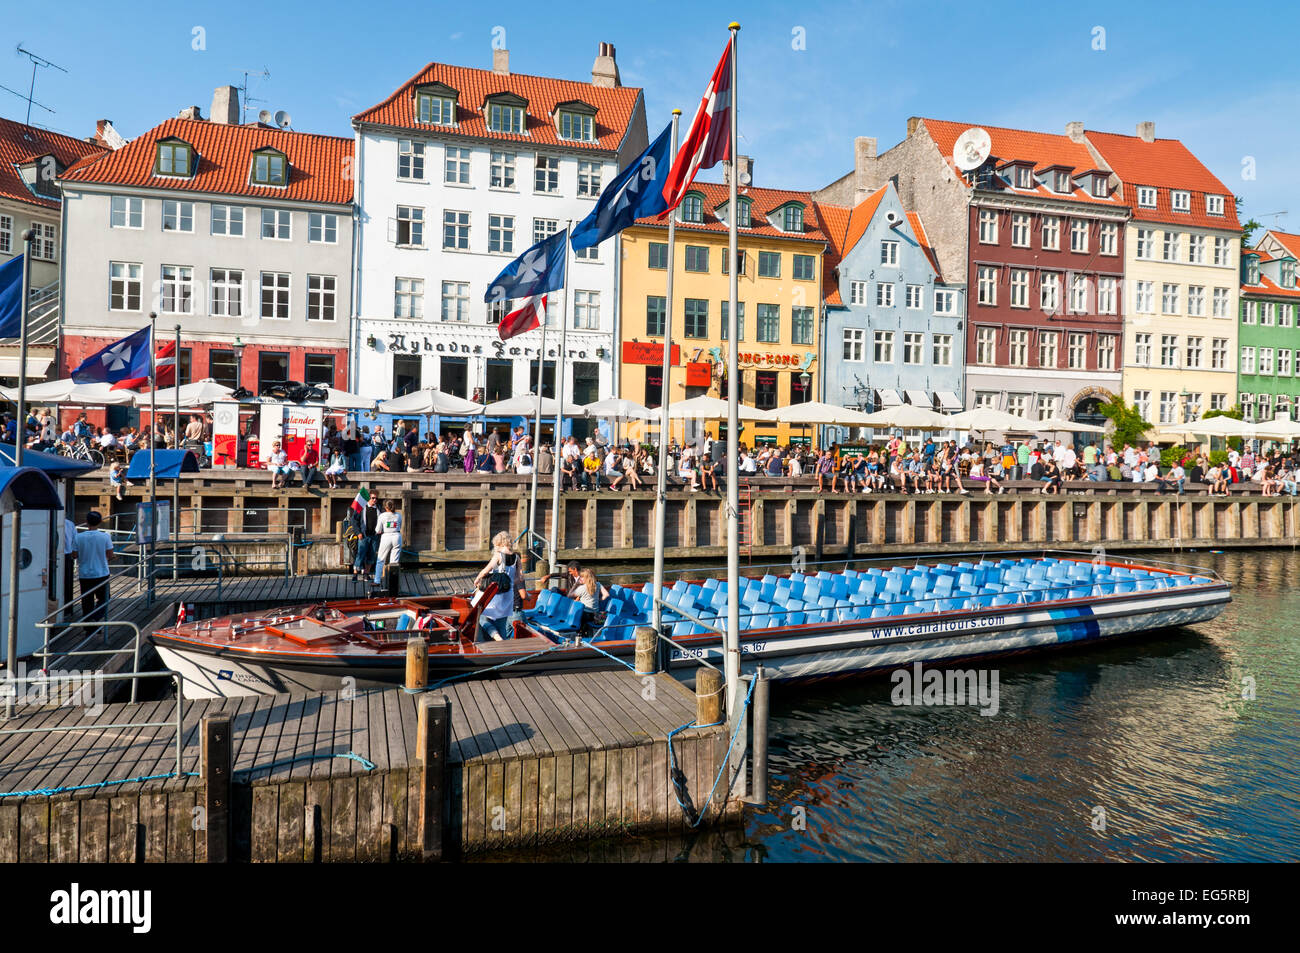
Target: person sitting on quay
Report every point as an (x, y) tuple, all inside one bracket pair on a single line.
[(591, 469), (338, 469), (278, 464), (1172, 482), (634, 480), (117, 479), (309, 465)]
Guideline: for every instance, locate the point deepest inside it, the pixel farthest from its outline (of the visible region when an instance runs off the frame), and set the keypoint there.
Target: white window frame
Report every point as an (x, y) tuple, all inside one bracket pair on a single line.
[(277, 219), (178, 211), (181, 283), (131, 281), (322, 292), (855, 343), (320, 226), (501, 171), (278, 289), (227, 294), (132, 208)]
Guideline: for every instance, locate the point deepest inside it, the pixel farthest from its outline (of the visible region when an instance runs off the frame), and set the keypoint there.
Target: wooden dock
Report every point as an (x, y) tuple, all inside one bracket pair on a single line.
[(530, 761)]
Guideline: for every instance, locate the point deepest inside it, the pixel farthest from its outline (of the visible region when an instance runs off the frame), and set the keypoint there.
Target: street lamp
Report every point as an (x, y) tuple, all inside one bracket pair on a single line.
[(1187, 407)]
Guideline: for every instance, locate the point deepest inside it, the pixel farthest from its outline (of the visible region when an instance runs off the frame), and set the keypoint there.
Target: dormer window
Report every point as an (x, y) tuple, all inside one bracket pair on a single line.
[(270, 168), (577, 122), (1024, 177), (792, 218), (1182, 201), (692, 208), (1061, 181), (1288, 273), (175, 157), (1214, 205), (743, 219), (436, 105), (1146, 196), (505, 114), (1252, 269), (39, 175), (1100, 187)]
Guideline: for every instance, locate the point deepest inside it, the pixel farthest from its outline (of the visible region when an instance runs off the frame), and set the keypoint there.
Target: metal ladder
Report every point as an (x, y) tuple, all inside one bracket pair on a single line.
[(746, 534)]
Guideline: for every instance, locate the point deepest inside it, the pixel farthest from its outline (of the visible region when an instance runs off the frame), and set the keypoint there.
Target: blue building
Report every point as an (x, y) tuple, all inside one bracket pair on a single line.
[(893, 328)]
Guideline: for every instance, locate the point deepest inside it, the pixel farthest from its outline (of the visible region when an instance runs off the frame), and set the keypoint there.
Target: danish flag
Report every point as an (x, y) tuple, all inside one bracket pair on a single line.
[(709, 140), (180, 614), (164, 363), (530, 316)]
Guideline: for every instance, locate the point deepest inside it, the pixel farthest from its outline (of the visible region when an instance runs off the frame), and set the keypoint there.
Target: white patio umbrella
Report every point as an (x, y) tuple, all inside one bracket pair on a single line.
[(705, 407), (616, 408), (1061, 425), (526, 406), (1279, 428), (907, 417), (68, 391), (425, 403), (342, 400), (1212, 427), (987, 418), (814, 413), (197, 394)]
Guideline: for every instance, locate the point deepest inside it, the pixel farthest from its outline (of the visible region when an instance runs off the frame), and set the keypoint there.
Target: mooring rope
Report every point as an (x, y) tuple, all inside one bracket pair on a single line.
[(679, 779)]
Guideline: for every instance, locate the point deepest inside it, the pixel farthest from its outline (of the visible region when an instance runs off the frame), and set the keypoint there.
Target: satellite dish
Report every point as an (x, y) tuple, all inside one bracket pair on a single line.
[(971, 149), (282, 119), (744, 178), (264, 117)]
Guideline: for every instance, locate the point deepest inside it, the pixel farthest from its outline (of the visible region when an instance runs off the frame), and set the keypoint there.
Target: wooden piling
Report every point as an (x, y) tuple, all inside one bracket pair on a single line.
[(417, 663), (432, 732), (217, 765), (708, 696), (647, 655)]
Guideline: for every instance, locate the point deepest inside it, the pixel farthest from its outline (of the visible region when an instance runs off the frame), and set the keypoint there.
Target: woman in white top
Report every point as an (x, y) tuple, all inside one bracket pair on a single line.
[(686, 468), (390, 539), (494, 620)]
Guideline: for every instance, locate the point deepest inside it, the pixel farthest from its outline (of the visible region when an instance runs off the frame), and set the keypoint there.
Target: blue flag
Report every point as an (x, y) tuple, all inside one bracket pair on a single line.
[(11, 297), (536, 271), (118, 361), (637, 192)]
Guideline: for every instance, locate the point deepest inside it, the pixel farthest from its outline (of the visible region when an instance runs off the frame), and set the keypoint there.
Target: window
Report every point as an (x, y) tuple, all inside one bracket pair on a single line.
[(696, 315), (501, 170), (435, 109), (1214, 205), (857, 292), (1018, 340), (1219, 354), (945, 301), (270, 168), (1284, 362), (177, 216), (1017, 404), (1062, 182), (272, 368), (1051, 233), (277, 224), (855, 344), (455, 230), (1047, 348), (576, 126), (323, 228), (692, 208), (1047, 404), (1250, 312), (1106, 299), (988, 228), (1248, 360), (987, 285), (124, 286), (408, 297), (1171, 246), (1221, 252), (507, 118), (765, 397), (1142, 402), (6, 234), (586, 310), (227, 286), (1146, 196), (725, 309), (496, 310), (1196, 301), (884, 347), (986, 345), (45, 244), (177, 291), (456, 166), (319, 369), (1195, 352), (1100, 186), (1169, 298), (275, 296), (410, 226), (546, 174), (1145, 301), (1182, 201), (1050, 292), (658, 253), (1220, 303), (127, 212), (801, 325), (769, 323), (803, 268), (455, 301), (407, 373), (1024, 177), (941, 350), (321, 296), (1196, 249), (1105, 352), (986, 399), (1077, 351), (544, 228), (769, 264), (655, 308), (588, 178), (1079, 294), (1266, 360), (1168, 350), (1285, 312), (228, 220), (410, 159), (223, 367), (740, 262), (501, 234), (173, 158), (1288, 273), (1079, 235), (1142, 349), (889, 253), (792, 218), (1168, 406), (1146, 243), (884, 294), (913, 343), (1108, 239), (1020, 230), (697, 258), (1267, 314), (1019, 295), (915, 297)]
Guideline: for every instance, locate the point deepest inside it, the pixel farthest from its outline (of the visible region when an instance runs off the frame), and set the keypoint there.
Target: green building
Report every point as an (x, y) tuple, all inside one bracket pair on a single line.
[(1268, 368)]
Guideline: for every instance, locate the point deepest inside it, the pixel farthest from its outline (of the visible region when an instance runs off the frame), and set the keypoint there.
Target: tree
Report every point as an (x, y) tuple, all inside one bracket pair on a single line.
[(1234, 412), (1248, 229), (1129, 425)]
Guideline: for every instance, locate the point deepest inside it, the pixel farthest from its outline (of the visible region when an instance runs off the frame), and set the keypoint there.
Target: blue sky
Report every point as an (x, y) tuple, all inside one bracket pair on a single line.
[(1225, 86)]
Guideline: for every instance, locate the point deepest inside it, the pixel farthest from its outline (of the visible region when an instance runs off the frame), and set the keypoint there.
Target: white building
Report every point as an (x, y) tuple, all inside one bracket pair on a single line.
[(458, 172)]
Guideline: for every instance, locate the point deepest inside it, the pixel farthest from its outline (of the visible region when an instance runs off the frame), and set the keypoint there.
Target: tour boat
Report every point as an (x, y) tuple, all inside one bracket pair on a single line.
[(798, 626)]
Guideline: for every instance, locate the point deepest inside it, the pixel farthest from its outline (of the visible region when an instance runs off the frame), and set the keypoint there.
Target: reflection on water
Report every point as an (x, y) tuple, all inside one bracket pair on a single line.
[(1148, 738)]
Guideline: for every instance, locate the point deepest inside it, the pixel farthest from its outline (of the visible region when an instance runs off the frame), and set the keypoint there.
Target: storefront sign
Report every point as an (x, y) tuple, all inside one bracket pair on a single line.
[(225, 433), (300, 425), (400, 342), (699, 373), (773, 359), (270, 431), (649, 353)]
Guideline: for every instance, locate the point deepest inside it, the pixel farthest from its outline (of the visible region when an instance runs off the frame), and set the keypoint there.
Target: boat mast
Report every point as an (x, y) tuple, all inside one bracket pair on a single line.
[(559, 399), (732, 657)]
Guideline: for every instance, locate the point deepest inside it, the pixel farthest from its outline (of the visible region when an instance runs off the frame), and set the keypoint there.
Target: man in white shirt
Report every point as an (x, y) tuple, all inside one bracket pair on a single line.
[(94, 550), (1152, 472), (749, 464), (1068, 459), (1058, 454), (107, 439)]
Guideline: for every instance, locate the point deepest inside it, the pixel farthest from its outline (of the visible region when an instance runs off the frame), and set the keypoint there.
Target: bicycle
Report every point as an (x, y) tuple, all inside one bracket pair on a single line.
[(80, 451)]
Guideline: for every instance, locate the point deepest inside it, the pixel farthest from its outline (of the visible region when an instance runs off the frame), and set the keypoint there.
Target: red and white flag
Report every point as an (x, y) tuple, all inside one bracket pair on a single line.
[(164, 370), (530, 316), (180, 614), (709, 140)]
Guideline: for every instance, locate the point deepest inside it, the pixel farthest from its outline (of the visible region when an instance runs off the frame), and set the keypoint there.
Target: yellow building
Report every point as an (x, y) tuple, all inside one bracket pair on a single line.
[(780, 250)]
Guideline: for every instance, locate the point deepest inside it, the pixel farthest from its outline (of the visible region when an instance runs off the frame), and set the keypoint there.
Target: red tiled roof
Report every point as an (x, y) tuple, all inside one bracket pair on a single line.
[(20, 143), (1045, 150), (614, 106), (318, 165), (1267, 286), (763, 203), (919, 231), (1165, 164), (860, 218), (1290, 242), (833, 220)]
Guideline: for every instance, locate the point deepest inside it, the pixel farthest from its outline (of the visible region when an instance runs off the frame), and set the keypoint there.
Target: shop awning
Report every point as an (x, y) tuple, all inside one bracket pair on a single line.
[(919, 398), (28, 488), (948, 401), (887, 398), (168, 464), (36, 367)]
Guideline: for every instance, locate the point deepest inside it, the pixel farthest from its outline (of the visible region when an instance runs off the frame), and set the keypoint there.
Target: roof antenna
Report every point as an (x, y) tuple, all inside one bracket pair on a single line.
[(36, 61), (244, 98)]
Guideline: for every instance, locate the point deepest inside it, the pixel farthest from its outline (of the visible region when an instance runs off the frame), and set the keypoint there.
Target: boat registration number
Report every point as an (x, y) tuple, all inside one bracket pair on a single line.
[(746, 648)]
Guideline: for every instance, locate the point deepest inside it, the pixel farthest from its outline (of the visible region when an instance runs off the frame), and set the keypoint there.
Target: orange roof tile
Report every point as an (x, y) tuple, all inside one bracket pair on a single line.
[(919, 231), (860, 219), (318, 165), (833, 220), (1165, 164), (764, 202), (1267, 286), (20, 143), (614, 106), (1290, 242)]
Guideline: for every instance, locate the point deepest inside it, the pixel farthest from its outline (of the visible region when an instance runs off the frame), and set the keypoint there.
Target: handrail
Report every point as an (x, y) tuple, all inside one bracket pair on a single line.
[(46, 655)]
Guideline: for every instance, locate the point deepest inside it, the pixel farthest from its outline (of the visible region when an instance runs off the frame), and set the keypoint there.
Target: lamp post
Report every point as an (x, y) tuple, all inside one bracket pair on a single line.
[(20, 439), (1187, 407)]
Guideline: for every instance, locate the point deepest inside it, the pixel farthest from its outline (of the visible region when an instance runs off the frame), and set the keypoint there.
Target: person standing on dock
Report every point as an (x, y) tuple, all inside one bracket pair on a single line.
[(494, 620), (390, 540), (94, 550)]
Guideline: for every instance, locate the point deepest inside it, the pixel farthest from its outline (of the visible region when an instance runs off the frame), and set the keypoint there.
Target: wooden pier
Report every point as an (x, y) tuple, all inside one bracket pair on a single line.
[(529, 761)]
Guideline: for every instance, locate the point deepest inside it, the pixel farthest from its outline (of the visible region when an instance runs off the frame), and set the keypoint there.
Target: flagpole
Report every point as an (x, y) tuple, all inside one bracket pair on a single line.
[(152, 546), (537, 440), (661, 478), (20, 437), (732, 657), (176, 442), (559, 400)]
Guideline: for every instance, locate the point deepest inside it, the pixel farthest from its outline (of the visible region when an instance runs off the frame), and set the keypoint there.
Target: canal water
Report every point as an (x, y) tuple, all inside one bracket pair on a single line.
[(1182, 747)]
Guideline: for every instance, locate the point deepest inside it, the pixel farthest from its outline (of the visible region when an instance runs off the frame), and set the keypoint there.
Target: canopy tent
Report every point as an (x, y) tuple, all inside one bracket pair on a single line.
[(705, 407), (196, 394), (907, 417), (1061, 425), (427, 402), (948, 401), (814, 413), (68, 391), (1211, 427), (986, 418), (168, 464), (617, 408), (342, 400), (1279, 428), (50, 463), (919, 398), (526, 406), (27, 488), (889, 398)]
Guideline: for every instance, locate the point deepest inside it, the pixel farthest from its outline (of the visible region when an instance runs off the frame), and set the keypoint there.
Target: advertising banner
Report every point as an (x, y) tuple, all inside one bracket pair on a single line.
[(225, 433), (300, 425), (270, 429)]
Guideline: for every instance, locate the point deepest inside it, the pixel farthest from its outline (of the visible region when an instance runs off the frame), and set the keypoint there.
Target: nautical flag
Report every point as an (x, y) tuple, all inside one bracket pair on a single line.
[(361, 500), (530, 316), (11, 297), (164, 363), (537, 270), (637, 192), (709, 140), (180, 613), (122, 360)]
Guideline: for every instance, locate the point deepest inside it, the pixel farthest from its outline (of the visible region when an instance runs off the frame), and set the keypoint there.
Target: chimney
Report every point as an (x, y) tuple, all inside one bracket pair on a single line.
[(1147, 131), (1075, 131), (912, 123), (604, 72), (225, 105), (501, 62), (864, 148), (746, 165), (189, 112)]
